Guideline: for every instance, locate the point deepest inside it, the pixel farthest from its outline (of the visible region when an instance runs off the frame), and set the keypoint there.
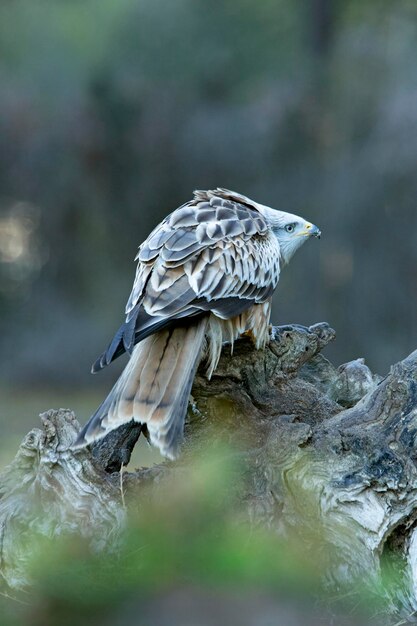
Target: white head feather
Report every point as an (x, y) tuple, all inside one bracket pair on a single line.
[(290, 230)]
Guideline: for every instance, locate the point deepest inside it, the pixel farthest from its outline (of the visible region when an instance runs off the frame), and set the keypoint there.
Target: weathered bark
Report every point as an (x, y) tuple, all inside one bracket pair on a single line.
[(329, 454), (48, 490)]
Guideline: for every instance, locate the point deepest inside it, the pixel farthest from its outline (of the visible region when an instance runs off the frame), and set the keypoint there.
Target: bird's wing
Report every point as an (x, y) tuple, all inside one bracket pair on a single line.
[(215, 253)]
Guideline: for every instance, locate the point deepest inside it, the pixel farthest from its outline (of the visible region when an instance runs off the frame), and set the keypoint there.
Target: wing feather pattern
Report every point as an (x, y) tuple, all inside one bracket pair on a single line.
[(217, 246)]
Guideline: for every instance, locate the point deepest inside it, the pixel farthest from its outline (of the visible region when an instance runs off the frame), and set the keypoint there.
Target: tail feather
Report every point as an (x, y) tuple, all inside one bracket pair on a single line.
[(153, 389), (155, 385)]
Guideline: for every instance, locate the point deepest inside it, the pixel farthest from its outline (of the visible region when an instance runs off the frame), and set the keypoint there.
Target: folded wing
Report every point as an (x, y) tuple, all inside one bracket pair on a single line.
[(214, 254)]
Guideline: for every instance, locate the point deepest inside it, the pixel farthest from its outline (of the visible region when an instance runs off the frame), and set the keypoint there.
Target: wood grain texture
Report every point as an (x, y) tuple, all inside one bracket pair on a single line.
[(328, 453)]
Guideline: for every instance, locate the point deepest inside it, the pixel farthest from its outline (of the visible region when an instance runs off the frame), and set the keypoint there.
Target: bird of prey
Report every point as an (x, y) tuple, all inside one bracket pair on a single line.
[(205, 276)]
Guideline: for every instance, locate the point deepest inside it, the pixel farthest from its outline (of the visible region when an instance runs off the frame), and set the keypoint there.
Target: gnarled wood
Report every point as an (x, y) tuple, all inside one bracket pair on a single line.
[(329, 453), (49, 491)]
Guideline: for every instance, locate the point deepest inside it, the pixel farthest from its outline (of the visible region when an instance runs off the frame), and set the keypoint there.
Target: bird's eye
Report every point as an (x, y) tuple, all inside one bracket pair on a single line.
[(290, 228)]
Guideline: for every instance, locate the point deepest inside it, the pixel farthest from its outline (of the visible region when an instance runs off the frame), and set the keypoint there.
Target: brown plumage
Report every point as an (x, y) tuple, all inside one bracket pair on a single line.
[(205, 275)]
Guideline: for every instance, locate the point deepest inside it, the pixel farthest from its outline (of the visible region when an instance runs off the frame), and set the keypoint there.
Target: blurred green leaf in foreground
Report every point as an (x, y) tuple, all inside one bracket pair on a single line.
[(186, 545)]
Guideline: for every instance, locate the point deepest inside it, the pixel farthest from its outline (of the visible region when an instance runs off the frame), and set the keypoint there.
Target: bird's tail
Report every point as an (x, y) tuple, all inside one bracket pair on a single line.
[(153, 389)]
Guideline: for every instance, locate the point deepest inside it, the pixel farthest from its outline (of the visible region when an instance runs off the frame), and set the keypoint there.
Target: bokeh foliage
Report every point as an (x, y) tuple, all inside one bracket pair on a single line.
[(191, 540), (110, 114)]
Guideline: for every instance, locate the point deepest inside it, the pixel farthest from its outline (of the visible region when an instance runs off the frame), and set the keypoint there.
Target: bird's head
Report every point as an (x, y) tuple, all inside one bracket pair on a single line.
[(290, 230)]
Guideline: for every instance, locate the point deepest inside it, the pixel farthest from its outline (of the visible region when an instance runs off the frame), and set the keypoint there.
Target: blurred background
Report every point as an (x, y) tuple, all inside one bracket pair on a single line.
[(111, 113)]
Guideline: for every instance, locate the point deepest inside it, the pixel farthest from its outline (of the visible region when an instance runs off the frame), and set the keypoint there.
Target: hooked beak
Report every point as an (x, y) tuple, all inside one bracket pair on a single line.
[(310, 230)]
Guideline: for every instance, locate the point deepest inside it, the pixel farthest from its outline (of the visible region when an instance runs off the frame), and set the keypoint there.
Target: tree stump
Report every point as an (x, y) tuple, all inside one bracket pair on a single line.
[(329, 454)]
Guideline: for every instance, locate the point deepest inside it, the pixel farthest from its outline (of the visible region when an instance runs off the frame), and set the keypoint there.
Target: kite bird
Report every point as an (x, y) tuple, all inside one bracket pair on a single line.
[(205, 276)]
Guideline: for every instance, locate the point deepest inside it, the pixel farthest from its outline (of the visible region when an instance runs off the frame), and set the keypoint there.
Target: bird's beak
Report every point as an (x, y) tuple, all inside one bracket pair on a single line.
[(315, 232), (310, 231)]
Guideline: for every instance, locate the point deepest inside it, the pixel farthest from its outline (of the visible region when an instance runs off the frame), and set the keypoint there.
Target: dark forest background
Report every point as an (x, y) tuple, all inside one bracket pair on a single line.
[(111, 113)]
